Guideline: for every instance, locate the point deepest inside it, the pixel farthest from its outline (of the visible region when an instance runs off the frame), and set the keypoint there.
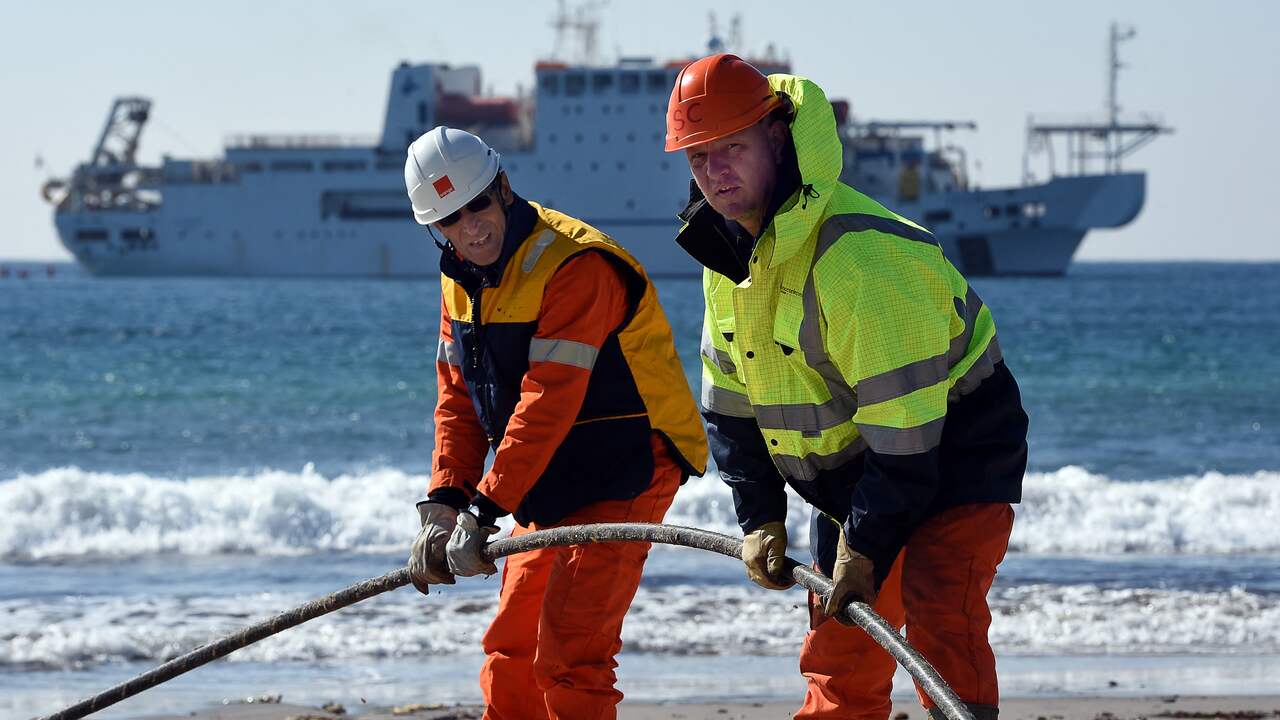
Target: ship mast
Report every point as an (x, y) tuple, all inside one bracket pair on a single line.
[(584, 23), (1118, 139), (1118, 35)]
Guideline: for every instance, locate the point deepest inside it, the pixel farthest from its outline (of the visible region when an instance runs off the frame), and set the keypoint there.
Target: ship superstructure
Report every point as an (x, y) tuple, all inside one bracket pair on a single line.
[(587, 140)]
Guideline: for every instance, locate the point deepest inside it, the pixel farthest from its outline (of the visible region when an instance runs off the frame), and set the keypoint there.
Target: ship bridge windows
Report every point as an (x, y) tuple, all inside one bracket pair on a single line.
[(138, 238), (364, 205), (656, 82), (629, 83), (292, 166), (575, 83), (251, 166), (91, 235), (549, 84), (345, 166), (601, 82)]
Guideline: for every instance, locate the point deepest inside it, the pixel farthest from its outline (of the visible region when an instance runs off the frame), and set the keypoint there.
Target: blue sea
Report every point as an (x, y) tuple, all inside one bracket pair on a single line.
[(182, 457)]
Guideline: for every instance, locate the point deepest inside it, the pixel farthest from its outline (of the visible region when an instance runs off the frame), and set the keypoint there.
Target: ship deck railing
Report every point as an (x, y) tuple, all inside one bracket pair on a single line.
[(298, 142)]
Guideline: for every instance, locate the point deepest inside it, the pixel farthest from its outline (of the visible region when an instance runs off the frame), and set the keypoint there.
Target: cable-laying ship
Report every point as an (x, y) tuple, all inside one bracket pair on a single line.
[(587, 140)]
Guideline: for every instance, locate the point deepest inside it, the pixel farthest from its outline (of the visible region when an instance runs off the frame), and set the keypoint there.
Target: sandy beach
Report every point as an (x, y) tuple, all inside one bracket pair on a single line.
[(1243, 707)]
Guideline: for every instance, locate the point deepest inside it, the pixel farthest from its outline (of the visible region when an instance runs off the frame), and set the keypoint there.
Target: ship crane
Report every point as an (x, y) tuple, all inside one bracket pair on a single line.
[(112, 176)]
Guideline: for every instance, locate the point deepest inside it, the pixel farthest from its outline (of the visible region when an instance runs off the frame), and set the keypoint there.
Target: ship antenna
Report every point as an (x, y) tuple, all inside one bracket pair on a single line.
[(1118, 35), (715, 44), (583, 22)]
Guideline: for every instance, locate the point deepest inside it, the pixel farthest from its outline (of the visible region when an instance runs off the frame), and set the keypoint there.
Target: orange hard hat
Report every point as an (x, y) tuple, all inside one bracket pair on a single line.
[(714, 97)]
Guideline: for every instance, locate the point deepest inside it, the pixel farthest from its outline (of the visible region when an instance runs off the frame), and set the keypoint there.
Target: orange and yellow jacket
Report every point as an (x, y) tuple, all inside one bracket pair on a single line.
[(559, 358)]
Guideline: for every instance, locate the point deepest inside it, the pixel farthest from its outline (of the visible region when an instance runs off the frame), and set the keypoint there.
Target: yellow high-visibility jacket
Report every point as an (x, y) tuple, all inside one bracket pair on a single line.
[(847, 330)]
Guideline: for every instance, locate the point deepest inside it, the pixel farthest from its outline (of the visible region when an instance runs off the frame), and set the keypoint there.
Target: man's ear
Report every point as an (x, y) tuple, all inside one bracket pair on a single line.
[(778, 131), (504, 189)]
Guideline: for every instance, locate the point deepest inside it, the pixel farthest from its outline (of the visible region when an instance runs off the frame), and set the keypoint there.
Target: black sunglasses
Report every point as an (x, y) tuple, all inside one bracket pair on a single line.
[(477, 204)]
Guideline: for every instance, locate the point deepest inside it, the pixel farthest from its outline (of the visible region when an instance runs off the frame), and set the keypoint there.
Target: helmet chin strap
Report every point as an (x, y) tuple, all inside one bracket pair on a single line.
[(445, 246)]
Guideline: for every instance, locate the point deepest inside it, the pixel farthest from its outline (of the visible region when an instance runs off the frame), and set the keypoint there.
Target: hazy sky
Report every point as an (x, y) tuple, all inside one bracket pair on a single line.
[(1209, 69)]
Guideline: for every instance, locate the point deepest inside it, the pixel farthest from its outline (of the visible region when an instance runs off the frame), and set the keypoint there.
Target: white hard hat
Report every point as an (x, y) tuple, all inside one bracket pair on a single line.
[(445, 169)]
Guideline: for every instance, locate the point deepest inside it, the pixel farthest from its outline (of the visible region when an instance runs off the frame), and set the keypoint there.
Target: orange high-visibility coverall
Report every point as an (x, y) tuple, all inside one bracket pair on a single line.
[(938, 589), (550, 649)]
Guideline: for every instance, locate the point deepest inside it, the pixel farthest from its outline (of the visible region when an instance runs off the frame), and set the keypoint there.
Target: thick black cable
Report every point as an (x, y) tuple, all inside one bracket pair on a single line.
[(866, 618)]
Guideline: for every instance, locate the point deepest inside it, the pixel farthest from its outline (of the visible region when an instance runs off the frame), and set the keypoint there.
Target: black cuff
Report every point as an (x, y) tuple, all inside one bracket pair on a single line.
[(487, 511), (455, 498)]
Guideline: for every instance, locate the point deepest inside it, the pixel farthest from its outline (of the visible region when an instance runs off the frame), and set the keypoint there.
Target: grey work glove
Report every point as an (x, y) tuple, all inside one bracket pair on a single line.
[(427, 564), (764, 552), (853, 578), (463, 550)]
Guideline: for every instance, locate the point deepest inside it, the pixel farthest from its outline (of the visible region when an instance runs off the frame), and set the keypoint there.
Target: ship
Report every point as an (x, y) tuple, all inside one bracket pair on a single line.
[(586, 139)]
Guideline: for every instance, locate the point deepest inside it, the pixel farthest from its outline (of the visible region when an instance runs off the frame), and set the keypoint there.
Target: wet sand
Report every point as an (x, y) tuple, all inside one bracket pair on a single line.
[(1073, 708)]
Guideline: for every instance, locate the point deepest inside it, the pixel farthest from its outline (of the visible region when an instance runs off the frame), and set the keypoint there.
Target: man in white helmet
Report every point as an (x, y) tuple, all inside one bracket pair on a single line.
[(555, 354)]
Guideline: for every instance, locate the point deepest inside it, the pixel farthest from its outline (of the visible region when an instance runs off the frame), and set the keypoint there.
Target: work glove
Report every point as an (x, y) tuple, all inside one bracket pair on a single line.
[(427, 564), (465, 545), (764, 552), (853, 578)]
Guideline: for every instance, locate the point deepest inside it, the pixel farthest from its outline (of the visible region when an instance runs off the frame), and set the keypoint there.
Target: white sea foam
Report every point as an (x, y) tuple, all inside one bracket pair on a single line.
[(72, 513), (1071, 511), (737, 620)]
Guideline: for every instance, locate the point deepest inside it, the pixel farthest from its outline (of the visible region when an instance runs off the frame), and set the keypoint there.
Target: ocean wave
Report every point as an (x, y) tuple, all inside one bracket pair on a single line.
[(78, 632), (69, 513), (1072, 511)]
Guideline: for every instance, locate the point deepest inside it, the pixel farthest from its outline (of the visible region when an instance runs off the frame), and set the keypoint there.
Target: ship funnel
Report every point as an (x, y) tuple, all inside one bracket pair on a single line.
[(410, 107), (413, 101)]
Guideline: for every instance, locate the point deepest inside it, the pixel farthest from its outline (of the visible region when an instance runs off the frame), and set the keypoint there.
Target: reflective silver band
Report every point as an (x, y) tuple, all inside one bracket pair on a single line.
[(542, 243), (838, 225), (903, 381), (719, 359), (807, 417), (968, 310), (447, 352), (565, 352), (807, 468), (982, 369), (725, 402), (903, 441)]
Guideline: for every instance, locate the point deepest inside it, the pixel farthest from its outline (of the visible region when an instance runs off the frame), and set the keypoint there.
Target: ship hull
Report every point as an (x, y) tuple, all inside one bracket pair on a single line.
[(242, 230)]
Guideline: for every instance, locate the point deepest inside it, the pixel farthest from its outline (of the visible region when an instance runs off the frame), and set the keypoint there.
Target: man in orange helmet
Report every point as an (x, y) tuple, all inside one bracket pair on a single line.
[(555, 355), (843, 355)]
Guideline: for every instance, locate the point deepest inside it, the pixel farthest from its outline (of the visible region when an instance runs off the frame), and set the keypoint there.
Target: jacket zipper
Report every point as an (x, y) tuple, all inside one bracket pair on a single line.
[(477, 349)]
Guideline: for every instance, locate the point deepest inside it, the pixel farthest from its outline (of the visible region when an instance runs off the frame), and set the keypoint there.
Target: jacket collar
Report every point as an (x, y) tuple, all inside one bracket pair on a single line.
[(723, 245), (521, 218)]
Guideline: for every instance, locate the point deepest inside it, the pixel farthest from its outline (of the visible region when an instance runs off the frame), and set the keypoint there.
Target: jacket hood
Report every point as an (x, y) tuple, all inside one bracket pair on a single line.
[(820, 157)]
